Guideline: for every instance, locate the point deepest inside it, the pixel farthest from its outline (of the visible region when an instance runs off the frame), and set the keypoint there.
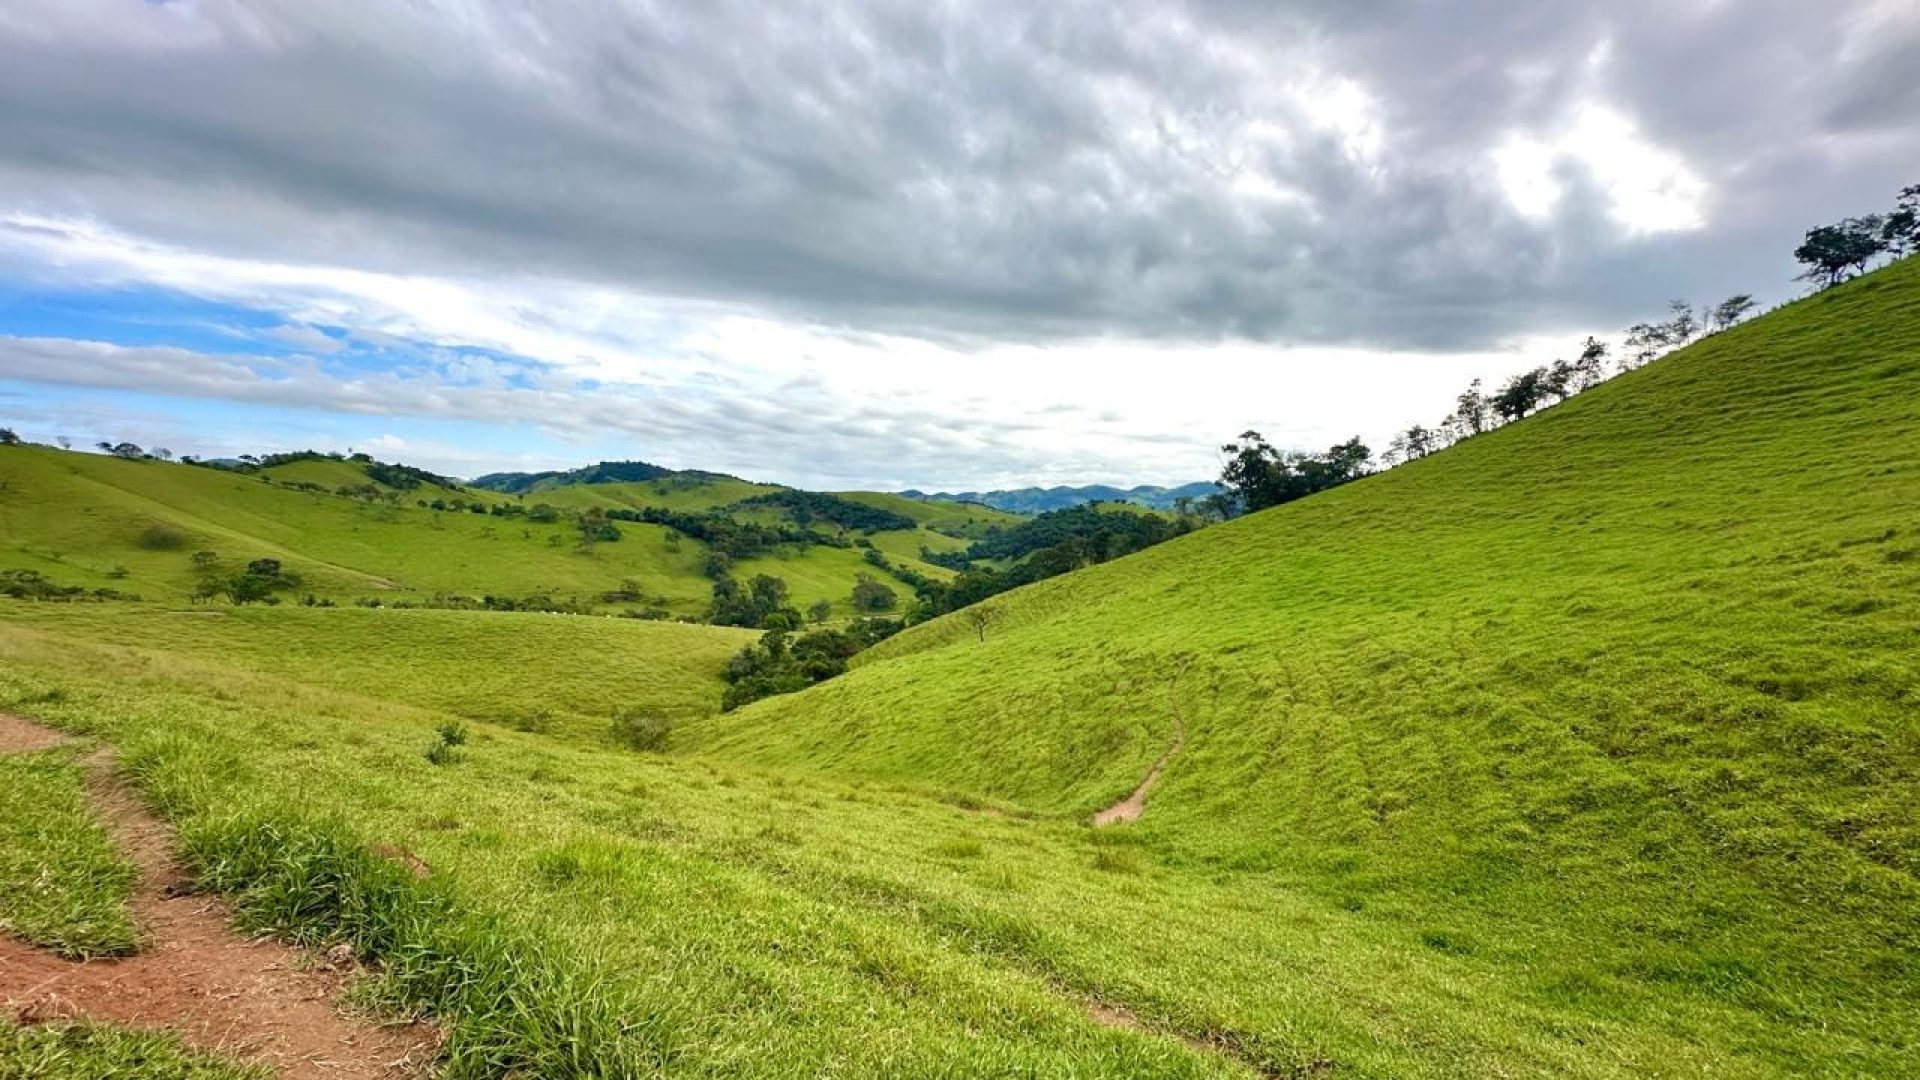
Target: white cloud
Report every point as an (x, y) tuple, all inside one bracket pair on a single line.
[(1648, 189)]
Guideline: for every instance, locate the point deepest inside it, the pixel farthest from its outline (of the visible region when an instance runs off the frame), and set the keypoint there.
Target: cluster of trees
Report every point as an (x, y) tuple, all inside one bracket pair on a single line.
[(260, 581), (1258, 476), (1849, 247), (405, 477), (781, 663), (33, 585), (1081, 534), (1054, 543), (763, 602), (1477, 410), (724, 534), (127, 451), (807, 507), (9, 437)]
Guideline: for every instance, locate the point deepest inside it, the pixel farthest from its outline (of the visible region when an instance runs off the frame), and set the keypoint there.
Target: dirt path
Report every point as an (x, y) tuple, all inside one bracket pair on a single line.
[(256, 1000), (1131, 807)]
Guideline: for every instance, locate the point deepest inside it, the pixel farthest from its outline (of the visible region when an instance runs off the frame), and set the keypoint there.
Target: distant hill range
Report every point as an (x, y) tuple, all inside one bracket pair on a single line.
[(1035, 500), (605, 472)]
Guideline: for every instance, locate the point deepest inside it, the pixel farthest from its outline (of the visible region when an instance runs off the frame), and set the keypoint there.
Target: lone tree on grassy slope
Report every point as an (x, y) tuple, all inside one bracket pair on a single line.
[(980, 617)]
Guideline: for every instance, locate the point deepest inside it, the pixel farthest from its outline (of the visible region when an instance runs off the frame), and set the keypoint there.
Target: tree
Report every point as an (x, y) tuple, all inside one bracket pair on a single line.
[(1419, 442), (1252, 471), (821, 611), (869, 595), (125, 450), (1260, 476), (1520, 394), (1471, 407), (1682, 327), (163, 453), (1900, 230), (1834, 253), (9, 437), (1590, 368), (1729, 312), (980, 617)]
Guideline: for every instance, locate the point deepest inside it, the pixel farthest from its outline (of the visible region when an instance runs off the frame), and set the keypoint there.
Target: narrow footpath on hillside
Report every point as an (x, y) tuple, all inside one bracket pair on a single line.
[(1131, 807), (255, 1000)]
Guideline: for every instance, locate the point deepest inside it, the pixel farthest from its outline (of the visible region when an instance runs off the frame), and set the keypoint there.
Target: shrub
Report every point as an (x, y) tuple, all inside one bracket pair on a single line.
[(161, 537), (445, 749), (640, 730)]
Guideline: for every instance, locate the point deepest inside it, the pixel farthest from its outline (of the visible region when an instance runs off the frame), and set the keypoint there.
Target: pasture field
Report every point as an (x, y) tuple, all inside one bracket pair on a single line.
[(134, 526), (1584, 749)]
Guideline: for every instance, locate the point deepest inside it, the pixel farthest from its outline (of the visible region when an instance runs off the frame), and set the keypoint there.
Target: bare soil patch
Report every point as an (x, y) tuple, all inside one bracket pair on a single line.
[(19, 736), (252, 999)]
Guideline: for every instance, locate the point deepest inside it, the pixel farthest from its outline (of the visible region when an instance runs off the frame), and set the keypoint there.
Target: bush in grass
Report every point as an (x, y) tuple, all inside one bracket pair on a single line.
[(637, 729), (161, 537), (445, 750)]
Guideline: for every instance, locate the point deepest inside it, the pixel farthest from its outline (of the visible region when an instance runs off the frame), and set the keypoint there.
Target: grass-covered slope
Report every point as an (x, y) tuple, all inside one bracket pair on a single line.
[(133, 526), (1621, 700), (557, 674), (81, 519)]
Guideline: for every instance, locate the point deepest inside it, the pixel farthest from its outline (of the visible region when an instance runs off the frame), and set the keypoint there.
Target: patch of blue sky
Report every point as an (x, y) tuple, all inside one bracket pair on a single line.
[(157, 317), (139, 316), (210, 427)]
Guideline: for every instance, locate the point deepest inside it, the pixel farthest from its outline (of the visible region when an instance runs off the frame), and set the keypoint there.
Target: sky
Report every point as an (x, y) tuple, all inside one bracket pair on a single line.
[(889, 244)]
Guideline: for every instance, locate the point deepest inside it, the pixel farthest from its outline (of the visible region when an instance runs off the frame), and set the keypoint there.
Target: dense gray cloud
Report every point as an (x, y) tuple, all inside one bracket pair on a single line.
[(1300, 173)]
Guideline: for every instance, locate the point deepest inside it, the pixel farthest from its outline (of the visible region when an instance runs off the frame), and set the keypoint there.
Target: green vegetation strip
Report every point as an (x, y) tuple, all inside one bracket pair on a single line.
[(99, 1052), (63, 886), (514, 1001)]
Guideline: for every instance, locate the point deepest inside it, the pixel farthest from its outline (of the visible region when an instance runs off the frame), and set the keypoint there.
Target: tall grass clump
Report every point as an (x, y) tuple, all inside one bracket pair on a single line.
[(63, 885), (97, 1050), (514, 1003)]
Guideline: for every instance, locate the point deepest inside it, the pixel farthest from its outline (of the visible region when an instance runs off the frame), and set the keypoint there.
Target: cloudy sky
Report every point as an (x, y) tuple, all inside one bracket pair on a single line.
[(882, 244)]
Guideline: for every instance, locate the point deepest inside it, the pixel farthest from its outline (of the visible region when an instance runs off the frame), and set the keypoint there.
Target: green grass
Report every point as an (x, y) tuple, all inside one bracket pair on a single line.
[(100, 1052), (962, 519), (63, 886), (1612, 701), (1585, 749), (133, 526), (561, 674)]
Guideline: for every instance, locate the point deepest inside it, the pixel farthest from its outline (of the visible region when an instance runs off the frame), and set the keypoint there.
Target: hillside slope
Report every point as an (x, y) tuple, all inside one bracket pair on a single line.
[(100, 522), (1620, 699)]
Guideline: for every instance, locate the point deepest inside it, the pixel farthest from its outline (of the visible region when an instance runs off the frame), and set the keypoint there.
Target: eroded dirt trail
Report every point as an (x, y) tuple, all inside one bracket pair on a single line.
[(255, 1000), (1131, 807)]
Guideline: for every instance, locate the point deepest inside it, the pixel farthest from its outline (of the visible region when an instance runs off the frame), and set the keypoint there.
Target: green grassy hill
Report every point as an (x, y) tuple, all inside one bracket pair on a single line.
[(1619, 701), (101, 522), (1585, 749)]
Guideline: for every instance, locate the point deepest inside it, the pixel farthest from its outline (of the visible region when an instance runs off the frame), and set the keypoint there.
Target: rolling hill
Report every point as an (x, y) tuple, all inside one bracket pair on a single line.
[(1583, 749), (1618, 702), (1037, 500), (133, 526)]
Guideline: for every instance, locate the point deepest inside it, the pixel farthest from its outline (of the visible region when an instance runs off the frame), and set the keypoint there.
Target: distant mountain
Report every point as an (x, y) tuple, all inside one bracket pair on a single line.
[(1034, 500), (606, 472)]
